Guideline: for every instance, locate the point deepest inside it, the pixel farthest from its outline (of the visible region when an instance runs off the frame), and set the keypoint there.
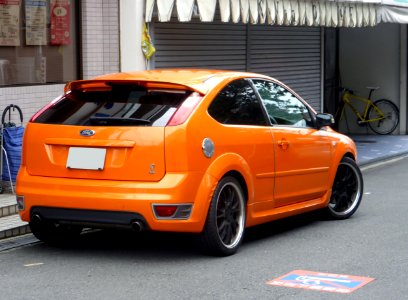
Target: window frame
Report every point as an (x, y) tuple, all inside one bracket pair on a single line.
[(311, 112), (260, 104)]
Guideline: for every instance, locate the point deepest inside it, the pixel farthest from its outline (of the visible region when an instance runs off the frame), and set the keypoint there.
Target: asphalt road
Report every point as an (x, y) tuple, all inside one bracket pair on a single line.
[(122, 265)]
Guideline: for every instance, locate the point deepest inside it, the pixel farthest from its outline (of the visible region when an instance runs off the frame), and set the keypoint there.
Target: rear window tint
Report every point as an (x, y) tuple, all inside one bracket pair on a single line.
[(121, 106)]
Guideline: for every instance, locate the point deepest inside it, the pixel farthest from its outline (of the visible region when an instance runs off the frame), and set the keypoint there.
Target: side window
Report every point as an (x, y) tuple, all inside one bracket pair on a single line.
[(237, 104), (282, 106)]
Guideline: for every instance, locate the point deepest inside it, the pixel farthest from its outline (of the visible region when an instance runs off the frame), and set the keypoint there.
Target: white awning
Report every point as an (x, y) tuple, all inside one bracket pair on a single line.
[(394, 11), (330, 13)]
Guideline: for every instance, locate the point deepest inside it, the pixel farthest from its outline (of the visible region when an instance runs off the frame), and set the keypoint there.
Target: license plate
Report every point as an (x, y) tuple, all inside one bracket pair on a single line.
[(86, 158)]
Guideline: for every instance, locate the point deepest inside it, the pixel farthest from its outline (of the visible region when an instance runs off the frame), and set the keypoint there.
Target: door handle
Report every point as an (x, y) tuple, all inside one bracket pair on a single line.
[(283, 143)]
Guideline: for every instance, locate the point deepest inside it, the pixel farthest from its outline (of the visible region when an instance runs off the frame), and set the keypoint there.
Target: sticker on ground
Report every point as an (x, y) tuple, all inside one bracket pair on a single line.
[(318, 281)]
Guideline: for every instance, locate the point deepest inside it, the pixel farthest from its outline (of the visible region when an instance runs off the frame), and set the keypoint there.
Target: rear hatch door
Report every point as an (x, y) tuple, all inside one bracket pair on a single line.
[(103, 130)]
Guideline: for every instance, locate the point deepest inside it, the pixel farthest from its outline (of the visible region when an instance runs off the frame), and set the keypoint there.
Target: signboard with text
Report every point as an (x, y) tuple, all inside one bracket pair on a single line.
[(60, 22), (10, 22), (36, 22)]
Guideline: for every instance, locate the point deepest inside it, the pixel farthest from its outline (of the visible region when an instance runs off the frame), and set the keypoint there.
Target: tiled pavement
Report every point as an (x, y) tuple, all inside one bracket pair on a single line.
[(10, 223), (371, 149), (375, 148)]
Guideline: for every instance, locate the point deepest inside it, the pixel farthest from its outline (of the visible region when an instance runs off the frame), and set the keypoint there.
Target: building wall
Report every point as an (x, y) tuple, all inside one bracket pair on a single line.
[(100, 55), (370, 56), (100, 37), (131, 27)]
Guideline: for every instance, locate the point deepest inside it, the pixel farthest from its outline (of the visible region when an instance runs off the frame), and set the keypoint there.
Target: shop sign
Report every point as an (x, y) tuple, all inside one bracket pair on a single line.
[(10, 22), (36, 22), (60, 22)]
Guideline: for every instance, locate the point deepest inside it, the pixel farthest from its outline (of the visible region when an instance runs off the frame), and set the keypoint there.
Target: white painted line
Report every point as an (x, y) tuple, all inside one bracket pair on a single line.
[(383, 163), (33, 264)]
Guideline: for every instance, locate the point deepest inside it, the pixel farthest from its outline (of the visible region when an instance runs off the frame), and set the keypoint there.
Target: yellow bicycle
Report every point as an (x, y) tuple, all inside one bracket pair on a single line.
[(382, 116)]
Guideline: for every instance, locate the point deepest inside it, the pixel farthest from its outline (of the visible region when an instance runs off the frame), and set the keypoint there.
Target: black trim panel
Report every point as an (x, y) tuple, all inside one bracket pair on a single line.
[(89, 218)]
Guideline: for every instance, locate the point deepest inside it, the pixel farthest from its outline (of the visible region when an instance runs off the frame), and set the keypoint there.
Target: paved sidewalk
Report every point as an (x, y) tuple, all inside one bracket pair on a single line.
[(371, 149), (375, 148), (10, 222)]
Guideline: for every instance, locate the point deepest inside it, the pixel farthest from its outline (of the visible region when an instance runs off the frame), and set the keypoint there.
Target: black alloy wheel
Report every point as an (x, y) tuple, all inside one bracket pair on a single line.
[(225, 225), (347, 190)]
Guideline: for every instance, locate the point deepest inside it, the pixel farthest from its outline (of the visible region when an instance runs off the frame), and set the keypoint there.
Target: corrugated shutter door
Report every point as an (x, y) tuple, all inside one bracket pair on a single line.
[(291, 55), (200, 45)]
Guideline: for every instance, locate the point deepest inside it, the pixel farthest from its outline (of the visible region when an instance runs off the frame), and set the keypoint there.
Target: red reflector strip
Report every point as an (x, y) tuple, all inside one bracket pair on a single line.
[(165, 210)]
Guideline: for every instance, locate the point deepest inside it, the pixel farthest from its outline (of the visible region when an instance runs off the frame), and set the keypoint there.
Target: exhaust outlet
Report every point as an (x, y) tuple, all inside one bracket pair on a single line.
[(36, 219), (137, 226)]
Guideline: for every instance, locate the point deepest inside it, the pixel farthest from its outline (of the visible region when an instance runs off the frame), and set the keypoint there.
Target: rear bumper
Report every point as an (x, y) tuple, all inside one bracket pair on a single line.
[(120, 198), (88, 218)]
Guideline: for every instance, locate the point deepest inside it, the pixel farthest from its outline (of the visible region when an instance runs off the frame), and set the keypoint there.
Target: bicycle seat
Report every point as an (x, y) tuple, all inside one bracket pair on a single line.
[(373, 87)]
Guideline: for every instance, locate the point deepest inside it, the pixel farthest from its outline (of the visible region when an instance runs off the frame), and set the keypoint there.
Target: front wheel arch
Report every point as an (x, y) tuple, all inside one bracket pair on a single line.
[(347, 190)]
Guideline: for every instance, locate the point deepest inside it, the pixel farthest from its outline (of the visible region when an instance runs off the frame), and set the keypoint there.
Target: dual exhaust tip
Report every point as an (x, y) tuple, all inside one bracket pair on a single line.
[(137, 226)]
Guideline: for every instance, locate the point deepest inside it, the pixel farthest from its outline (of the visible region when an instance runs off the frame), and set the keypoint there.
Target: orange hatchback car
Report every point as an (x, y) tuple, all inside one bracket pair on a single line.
[(201, 151)]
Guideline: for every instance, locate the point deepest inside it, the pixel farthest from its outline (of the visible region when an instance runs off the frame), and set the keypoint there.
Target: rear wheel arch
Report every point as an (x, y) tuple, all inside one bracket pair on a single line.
[(238, 176), (232, 164), (226, 165)]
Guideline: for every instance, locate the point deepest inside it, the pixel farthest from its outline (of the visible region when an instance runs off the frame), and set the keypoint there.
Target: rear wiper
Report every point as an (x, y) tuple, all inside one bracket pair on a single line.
[(117, 121)]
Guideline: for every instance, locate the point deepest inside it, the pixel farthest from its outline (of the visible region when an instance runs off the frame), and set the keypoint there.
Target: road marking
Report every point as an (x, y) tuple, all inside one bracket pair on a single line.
[(383, 162), (34, 264), (318, 281)]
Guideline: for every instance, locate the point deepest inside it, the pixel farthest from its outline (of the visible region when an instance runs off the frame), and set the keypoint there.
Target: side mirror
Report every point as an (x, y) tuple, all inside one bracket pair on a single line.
[(323, 120)]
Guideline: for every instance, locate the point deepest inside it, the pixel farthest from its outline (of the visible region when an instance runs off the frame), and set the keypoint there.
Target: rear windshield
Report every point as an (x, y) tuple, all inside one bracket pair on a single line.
[(122, 105)]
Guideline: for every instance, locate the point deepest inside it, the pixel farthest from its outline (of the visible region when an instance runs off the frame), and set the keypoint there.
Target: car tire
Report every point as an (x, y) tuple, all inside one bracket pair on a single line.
[(225, 225), (55, 234), (347, 190)]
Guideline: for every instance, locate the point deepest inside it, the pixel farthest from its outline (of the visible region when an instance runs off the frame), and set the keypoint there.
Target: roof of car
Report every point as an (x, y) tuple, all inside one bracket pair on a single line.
[(196, 79)]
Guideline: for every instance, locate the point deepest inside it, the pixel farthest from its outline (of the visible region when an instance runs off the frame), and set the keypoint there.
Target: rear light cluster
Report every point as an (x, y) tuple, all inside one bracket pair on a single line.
[(185, 110), (45, 108), (172, 211)]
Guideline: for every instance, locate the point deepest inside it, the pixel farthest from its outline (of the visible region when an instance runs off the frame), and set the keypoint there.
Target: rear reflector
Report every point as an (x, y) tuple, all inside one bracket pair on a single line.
[(169, 211), (165, 211), (20, 202)]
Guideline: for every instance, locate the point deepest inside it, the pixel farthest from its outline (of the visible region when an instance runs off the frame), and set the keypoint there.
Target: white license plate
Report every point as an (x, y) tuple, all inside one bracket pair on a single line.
[(86, 158)]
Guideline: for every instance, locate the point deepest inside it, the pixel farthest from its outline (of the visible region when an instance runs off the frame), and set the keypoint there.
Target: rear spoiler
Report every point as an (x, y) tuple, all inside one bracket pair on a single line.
[(106, 85)]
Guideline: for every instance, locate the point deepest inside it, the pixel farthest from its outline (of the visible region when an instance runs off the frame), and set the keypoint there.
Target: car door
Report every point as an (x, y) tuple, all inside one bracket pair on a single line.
[(246, 132), (302, 152)]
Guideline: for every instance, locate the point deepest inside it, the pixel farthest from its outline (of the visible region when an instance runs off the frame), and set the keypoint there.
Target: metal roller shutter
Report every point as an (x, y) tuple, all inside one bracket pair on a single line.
[(200, 45), (290, 54)]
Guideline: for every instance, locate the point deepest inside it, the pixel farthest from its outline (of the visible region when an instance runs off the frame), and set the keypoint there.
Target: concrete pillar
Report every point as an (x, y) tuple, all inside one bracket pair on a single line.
[(131, 25)]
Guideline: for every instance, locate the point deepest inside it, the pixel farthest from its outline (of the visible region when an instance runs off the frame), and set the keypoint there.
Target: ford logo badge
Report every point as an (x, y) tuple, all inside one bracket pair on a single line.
[(87, 132)]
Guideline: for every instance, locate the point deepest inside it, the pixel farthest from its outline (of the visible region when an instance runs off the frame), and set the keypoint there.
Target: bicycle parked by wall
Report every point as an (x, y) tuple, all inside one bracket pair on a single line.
[(382, 116)]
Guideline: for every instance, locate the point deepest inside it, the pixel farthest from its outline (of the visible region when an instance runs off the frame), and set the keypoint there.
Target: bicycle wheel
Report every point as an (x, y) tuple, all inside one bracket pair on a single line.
[(391, 113)]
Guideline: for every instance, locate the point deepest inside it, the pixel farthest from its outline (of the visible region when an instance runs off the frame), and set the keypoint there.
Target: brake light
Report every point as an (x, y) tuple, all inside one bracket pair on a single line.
[(185, 110), (45, 108)]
